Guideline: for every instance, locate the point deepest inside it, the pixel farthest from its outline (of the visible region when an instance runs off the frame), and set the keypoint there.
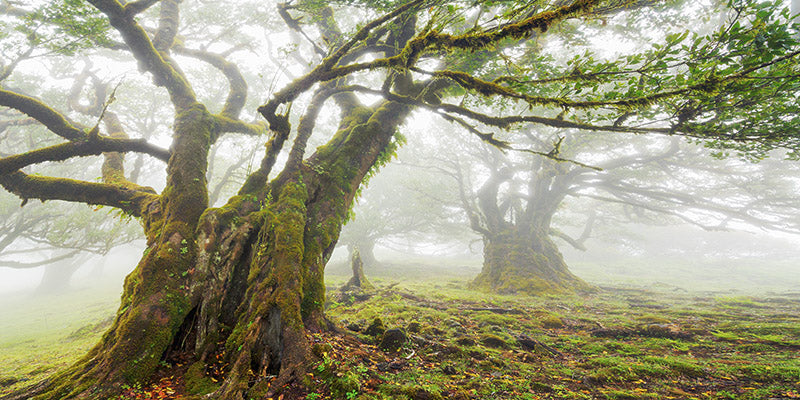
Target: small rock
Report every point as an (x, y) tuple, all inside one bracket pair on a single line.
[(413, 327), (393, 340), (354, 327), (419, 341), (493, 341), (383, 366), (465, 341), (375, 328)]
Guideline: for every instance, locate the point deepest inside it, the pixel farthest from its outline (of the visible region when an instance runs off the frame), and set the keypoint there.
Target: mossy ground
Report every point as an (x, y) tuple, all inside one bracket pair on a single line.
[(620, 343), (623, 342)]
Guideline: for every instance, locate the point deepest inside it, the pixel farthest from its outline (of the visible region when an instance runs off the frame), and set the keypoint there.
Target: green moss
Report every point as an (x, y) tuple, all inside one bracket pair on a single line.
[(289, 228), (683, 366), (493, 341), (551, 321), (493, 319), (345, 383), (197, 382)]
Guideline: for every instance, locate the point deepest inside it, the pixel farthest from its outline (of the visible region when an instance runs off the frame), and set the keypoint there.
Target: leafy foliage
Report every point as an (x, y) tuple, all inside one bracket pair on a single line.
[(67, 26)]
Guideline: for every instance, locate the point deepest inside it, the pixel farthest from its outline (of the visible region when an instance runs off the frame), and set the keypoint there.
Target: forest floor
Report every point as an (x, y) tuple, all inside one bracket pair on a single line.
[(622, 342)]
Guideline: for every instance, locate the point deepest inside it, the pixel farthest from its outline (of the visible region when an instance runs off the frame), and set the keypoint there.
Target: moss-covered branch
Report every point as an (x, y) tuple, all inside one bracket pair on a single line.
[(168, 19), (709, 84), (138, 6), (503, 122), (256, 181), (143, 49), (364, 32), (237, 92), (325, 71), (132, 201), (93, 147), (36, 109), (306, 127), (226, 125)]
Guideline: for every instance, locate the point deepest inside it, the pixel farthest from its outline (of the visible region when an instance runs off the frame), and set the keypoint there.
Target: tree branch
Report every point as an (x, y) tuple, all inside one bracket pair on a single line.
[(28, 265), (136, 7), (149, 57), (324, 71), (64, 151), (237, 93), (134, 201), (39, 111)]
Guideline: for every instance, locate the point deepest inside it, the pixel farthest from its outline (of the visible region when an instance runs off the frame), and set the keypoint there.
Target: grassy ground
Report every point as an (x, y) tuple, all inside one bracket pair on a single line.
[(41, 334), (654, 342)]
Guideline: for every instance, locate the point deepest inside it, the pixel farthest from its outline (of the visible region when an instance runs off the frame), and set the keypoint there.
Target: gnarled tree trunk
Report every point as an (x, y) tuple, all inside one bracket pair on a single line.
[(520, 261)]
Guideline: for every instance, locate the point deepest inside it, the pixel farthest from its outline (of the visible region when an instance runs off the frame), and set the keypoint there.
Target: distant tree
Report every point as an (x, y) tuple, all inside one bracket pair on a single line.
[(57, 238), (659, 181), (243, 283)]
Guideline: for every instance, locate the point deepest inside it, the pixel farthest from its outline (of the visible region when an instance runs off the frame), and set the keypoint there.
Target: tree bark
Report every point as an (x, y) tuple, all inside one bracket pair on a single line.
[(528, 262)]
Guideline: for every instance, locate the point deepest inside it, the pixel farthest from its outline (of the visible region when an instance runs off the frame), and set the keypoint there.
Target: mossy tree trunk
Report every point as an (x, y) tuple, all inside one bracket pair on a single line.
[(516, 261), (266, 289)]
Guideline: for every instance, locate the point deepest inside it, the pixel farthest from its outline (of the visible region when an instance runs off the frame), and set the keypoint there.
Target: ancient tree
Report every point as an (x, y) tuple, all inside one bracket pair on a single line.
[(524, 206), (244, 282)]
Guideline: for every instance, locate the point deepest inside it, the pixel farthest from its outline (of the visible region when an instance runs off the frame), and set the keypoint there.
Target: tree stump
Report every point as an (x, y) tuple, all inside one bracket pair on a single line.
[(359, 280)]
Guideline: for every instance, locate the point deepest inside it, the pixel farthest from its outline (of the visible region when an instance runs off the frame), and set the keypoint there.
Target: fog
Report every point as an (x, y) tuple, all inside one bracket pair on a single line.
[(199, 179)]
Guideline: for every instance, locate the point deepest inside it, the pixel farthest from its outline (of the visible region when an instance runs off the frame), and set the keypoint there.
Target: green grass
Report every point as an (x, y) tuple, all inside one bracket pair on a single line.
[(39, 335)]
